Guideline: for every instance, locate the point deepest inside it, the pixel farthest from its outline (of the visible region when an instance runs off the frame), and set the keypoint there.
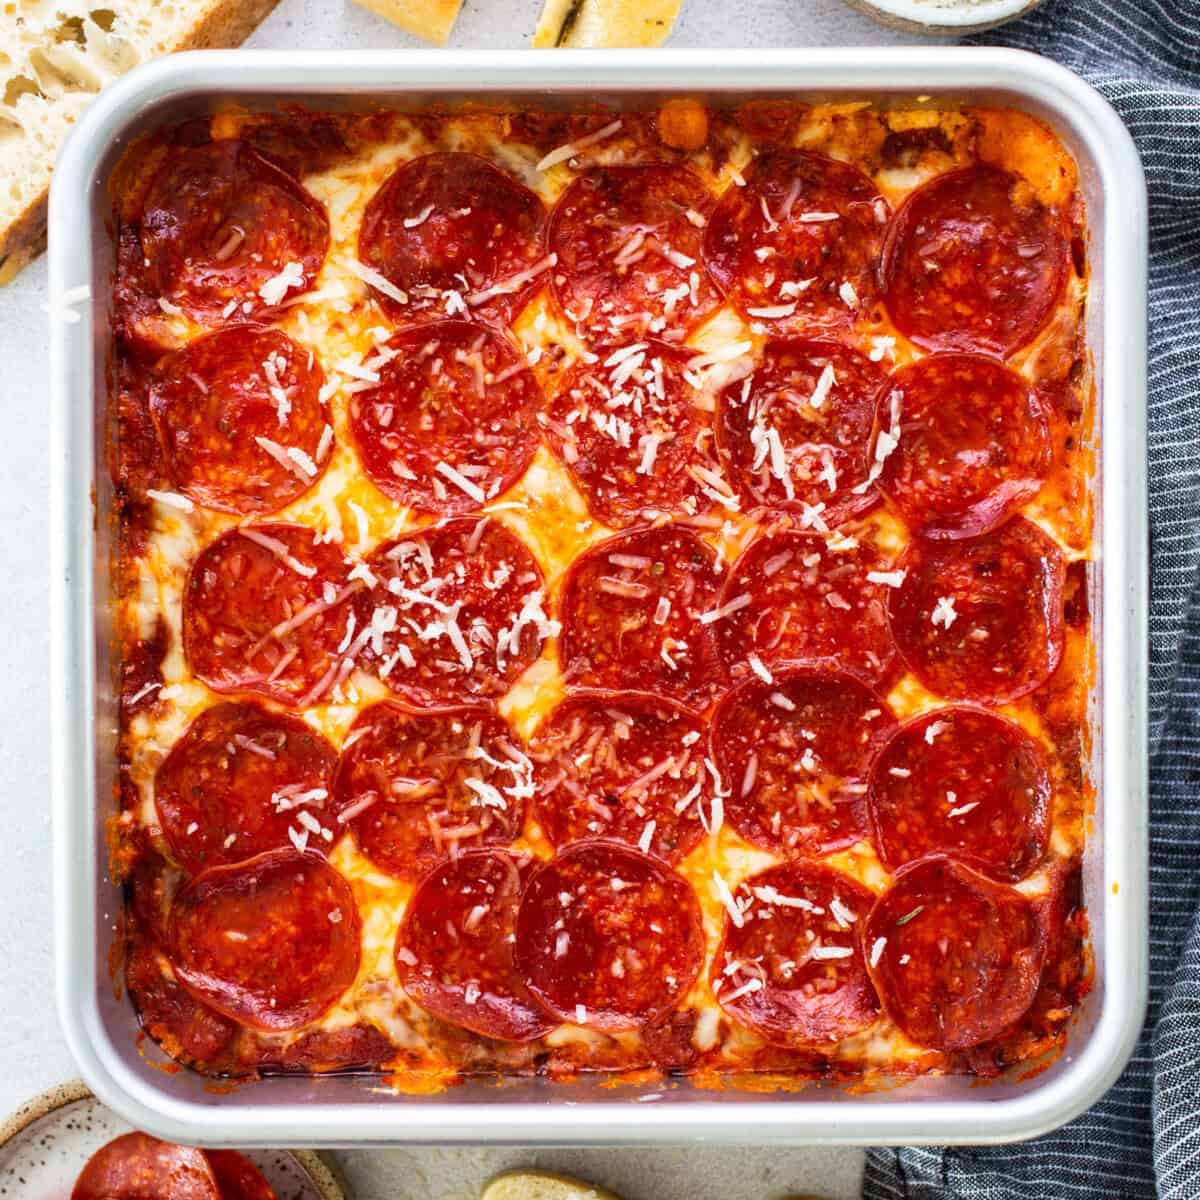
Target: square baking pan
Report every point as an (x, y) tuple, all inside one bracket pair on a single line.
[(100, 1026)]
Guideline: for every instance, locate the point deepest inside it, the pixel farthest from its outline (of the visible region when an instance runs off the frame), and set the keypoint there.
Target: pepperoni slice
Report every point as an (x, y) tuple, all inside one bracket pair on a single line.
[(417, 786), (962, 781), (139, 1167), (171, 1015), (452, 228), (454, 952), (151, 887), (631, 615), (360, 1046), (272, 942), (983, 618), (796, 247), (629, 430), (230, 407), (628, 245), (973, 261), (973, 444), (621, 765), (135, 452), (264, 611), (956, 957), (222, 226), (793, 970), (452, 422), (608, 937), (793, 595), (237, 1177), (794, 434), (457, 612), (234, 784), (794, 754)]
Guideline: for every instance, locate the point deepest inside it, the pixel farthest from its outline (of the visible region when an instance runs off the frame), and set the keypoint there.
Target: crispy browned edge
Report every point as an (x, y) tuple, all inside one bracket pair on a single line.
[(223, 24)]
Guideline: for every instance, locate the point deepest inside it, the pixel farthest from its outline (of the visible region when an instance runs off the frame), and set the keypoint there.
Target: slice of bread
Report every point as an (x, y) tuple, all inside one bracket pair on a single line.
[(432, 20), (542, 1185), (55, 55), (606, 22)]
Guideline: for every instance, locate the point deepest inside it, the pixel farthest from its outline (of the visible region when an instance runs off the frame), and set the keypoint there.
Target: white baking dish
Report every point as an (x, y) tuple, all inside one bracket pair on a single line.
[(101, 1028)]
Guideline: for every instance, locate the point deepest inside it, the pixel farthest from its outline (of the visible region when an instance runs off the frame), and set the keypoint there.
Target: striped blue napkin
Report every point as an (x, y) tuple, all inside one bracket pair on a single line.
[(1143, 1138)]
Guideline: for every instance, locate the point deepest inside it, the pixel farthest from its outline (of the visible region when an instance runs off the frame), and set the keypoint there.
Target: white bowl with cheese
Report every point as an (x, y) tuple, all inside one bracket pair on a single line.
[(944, 16)]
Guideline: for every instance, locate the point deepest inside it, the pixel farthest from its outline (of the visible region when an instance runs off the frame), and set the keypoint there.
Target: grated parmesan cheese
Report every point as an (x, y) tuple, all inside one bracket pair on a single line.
[(381, 283), (571, 149), (943, 612), (278, 286), (172, 500), (726, 897)]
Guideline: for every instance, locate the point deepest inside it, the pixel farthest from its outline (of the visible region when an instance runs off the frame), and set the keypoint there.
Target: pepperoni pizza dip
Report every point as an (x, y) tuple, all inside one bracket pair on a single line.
[(603, 591)]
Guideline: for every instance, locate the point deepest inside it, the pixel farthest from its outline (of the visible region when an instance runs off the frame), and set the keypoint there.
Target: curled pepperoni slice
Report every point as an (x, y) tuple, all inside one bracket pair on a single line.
[(608, 937), (241, 420), (235, 783), (633, 610), (135, 451), (955, 957), (264, 611), (237, 1177), (272, 942), (151, 887), (962, 781), (973, 261), (452, 422), (793, 970), (452, 228), (417, 786), (795, 433), (223, 226), (622, 765), (973, 444), (454, 952), (455, 613), (982, 618), (168, 1012), (793, 755), (796, 247), (794, 595), (139, 1167), (628, 246), (629, 430)]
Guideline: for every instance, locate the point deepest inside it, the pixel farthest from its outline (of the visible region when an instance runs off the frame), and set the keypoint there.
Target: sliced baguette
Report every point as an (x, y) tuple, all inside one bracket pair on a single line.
[(55, 55), (620, 23), (542, 1185), (432, 20)]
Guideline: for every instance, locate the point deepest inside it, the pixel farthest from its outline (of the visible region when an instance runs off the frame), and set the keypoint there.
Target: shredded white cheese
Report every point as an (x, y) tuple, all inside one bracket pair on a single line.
[(943, 612), (570, 149), (278, 286)]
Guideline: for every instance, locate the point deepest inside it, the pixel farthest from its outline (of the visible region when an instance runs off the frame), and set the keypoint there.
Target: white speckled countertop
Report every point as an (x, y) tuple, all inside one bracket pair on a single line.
[(31, 1047)]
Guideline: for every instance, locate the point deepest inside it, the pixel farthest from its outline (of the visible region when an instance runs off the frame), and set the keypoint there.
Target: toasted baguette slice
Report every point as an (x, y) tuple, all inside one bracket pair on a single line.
[(542, 1185), (606, 22), (55, 55), (429, 19)]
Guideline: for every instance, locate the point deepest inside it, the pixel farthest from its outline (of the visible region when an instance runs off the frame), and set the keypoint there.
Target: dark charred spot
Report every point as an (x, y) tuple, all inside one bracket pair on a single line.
[(905, 147), (1075, 595)]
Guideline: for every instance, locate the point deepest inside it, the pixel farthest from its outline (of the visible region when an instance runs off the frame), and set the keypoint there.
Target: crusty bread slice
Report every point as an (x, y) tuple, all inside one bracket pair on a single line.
[(432, 20), (55, 55), (542, 1185), (606, 22)]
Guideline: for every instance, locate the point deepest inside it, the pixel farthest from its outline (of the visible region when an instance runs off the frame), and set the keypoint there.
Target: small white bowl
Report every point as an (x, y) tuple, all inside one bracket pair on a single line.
[(45, 1143), (944, 16)]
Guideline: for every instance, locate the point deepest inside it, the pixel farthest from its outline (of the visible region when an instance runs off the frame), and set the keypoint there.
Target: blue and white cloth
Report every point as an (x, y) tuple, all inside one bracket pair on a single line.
[(1143, 1138)]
